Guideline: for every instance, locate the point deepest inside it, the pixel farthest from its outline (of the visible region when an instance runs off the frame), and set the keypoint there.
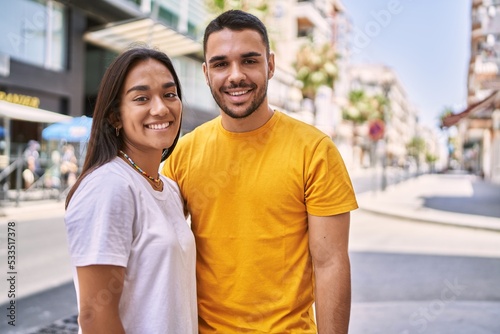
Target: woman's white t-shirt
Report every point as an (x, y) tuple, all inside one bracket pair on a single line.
[(116, 218)]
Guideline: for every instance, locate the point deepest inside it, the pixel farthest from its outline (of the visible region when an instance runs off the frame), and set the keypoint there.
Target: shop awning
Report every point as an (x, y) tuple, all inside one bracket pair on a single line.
[(121, 35), (30, 114), (488, 103)]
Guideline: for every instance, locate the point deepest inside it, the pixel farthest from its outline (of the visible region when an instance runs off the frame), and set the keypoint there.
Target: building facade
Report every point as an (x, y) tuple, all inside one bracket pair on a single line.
[(400, 117), (477, 142), (53, 54)]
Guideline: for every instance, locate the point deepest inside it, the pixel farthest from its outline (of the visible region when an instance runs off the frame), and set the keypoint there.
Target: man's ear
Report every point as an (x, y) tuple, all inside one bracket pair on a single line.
[(205, 72), (271, 66)]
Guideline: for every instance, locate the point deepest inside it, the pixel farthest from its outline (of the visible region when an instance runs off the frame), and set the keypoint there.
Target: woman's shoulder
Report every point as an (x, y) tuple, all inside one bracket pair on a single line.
[(170, 185), (111, 175)]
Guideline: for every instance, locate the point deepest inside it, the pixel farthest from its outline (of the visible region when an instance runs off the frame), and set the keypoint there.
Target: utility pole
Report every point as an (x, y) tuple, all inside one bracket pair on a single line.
[(386, 87)]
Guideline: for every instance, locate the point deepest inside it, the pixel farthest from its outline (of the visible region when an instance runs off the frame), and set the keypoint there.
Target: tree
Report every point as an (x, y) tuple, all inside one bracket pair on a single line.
[(416, 147), (447, 111), (316, 66), (259, 8), (362, 107)]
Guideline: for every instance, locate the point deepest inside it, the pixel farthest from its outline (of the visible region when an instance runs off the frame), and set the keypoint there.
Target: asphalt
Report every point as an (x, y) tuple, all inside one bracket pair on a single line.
[(452, 199)]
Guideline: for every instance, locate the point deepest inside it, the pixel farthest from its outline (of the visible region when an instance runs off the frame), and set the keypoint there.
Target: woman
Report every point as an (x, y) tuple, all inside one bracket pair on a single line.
[(129, 241)]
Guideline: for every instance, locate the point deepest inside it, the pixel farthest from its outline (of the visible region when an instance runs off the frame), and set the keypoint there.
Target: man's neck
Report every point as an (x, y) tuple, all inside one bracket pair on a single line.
[(256, 120)]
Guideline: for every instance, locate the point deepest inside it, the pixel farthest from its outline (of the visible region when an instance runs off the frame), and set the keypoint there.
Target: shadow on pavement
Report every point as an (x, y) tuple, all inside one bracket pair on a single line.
[(485, 201)]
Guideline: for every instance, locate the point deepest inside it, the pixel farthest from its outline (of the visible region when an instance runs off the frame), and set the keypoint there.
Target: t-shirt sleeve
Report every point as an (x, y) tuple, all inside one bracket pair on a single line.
[(168, 169), (99, 221), (175, 161), (328, 187)]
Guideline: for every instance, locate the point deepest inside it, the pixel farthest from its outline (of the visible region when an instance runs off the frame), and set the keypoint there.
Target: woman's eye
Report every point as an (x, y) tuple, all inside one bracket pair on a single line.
[(141, 99), (169, 95)]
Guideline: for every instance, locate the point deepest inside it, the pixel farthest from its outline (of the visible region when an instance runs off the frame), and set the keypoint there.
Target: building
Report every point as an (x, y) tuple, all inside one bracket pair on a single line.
[(400, 116), (478, 137), (54, 53), (292, 24)]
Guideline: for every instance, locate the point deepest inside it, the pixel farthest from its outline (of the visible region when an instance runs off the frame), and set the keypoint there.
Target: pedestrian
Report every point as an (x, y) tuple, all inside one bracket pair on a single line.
[(33, 169), (269, 199), (69, 165), (129, 240)]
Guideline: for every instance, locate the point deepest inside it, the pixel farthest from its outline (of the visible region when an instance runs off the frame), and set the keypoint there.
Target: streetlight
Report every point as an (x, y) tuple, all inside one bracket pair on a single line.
[(386, 84)]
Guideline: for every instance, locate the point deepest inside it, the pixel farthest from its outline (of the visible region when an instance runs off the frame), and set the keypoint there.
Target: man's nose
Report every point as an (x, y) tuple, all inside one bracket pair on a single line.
[(236, 74)]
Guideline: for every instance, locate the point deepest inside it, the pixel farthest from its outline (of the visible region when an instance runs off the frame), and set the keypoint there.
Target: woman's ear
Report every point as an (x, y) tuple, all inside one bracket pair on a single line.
[(114, 119)]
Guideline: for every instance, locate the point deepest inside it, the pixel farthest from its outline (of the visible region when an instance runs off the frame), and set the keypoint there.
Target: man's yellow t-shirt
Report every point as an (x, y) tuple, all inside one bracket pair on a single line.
[(248, 195)]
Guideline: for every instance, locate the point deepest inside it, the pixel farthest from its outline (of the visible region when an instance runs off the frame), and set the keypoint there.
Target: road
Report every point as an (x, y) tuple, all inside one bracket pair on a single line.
[(413, 277), (44, 289)]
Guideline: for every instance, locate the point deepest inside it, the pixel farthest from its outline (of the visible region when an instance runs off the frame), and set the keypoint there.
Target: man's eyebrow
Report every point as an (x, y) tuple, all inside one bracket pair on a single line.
[(216, 58), (146, 87), (244, 55), (251, 54)]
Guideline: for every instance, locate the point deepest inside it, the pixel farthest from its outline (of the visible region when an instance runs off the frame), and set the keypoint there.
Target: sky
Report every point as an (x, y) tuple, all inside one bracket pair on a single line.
[(427, 44)]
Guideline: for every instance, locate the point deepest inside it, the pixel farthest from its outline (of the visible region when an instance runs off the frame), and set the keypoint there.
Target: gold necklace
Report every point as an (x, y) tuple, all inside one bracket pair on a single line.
[(157, 183)]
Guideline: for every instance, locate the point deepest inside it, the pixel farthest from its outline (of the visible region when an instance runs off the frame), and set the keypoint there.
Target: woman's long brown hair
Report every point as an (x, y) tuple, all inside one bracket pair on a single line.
[(103, 143)]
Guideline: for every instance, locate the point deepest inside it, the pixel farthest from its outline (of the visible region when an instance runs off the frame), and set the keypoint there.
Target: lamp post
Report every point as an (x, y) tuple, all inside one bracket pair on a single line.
[(386, 87)]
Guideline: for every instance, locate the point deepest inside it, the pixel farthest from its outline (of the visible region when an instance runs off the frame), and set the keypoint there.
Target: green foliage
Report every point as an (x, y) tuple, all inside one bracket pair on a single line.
[(447, 111), (259, 8), (416, 146), (362, 107), (430, 158), (316, 66)]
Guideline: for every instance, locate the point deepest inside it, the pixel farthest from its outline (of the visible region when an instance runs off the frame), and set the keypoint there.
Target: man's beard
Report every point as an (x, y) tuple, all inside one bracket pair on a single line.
[(259, 99)]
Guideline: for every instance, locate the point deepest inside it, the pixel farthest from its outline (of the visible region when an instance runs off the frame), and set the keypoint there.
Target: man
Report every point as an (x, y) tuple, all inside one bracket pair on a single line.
[(269, 199)]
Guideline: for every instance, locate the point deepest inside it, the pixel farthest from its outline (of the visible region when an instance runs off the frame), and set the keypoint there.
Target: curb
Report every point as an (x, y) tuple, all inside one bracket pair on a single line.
[(427, 215)]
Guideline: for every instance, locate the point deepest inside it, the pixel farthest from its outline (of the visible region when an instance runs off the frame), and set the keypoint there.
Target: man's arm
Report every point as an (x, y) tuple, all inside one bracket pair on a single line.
[(100, 291), (328, 243)]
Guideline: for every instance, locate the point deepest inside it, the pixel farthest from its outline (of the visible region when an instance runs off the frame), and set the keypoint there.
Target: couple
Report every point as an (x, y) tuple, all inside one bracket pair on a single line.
[(269, 199)]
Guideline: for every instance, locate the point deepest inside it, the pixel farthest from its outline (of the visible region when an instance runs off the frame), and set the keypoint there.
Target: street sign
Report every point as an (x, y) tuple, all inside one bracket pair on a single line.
[(376, 129)]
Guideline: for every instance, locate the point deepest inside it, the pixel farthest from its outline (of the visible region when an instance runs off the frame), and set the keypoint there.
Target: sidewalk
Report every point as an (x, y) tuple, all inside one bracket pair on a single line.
[(31, 209), (452, 199)]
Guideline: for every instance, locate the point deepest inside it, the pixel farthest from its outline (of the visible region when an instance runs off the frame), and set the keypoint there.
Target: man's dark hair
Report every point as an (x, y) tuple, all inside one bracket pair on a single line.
[(236, 20)]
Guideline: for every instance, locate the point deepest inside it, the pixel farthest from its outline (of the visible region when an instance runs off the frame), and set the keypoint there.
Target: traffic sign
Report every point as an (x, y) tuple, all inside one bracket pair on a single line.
[(376, 129)]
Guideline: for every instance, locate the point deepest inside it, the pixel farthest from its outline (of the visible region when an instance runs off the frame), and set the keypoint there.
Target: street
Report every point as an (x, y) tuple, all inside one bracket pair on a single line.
[(407, 276), (42, 266), (413, 277)]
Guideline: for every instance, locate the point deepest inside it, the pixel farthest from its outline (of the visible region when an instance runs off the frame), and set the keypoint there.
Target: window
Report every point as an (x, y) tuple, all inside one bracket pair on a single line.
[(195, 92), (35, 32)]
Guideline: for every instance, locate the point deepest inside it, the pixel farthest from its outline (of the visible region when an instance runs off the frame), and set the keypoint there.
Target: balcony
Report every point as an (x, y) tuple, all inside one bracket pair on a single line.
[(308, 16)]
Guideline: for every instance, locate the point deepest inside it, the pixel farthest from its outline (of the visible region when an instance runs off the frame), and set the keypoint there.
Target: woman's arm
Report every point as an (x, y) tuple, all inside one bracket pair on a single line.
[(100, 289)]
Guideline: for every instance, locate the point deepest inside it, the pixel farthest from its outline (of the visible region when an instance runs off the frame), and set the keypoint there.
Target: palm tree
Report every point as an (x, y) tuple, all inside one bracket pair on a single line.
[(448, 111), (360, 109), (316, 66), (416, 147), (259, 8)]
